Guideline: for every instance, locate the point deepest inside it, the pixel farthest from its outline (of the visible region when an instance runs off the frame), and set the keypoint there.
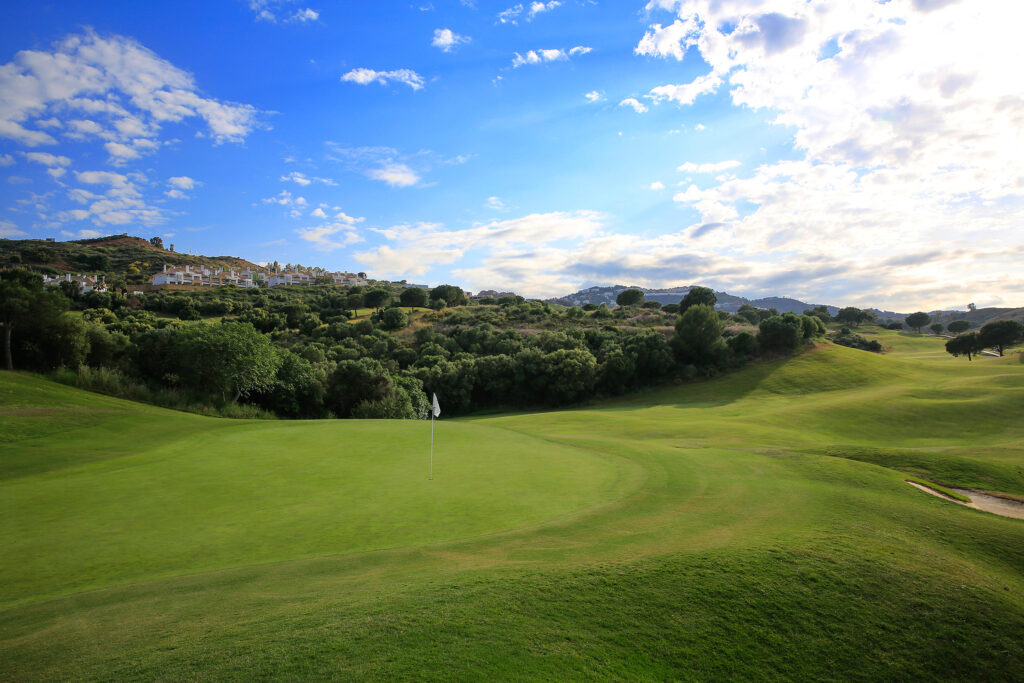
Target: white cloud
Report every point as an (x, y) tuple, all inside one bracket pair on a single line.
[(318, 213), (419, 248), (364, 76), (295, 205), (538, 7), (182, 182), (8, 229), (668, 41), (271, 10), (176, 194), (656, 185), (904, 144), (115, 80), (330, 237), (510, 15), (120, 203), (594, 96), (547, 55), (103, 178), (529, 12), (303, 180), (6, 160), (580, 50), (56, 172), (686, 93), (47, 159), (396, 174), (718, 167), (304, 15), (636, 104), (447, 40), (496, 204)]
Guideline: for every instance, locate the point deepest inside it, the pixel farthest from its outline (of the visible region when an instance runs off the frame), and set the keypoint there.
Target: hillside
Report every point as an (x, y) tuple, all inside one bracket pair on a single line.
[(746, 527), (112, 255)]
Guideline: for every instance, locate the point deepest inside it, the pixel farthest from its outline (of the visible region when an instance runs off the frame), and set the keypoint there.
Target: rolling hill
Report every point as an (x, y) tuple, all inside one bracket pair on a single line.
[(751, 526)]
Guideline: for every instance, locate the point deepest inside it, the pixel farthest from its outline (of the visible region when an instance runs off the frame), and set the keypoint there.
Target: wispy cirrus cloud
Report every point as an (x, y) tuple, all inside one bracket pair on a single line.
[(547, 55), (273, 11)]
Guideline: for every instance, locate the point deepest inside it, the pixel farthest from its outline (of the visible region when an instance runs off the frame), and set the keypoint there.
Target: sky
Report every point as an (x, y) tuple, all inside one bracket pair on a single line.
[(853, 153)]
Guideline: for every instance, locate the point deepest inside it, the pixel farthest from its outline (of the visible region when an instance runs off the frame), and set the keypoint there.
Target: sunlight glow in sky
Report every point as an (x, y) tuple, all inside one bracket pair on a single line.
[(854, 153)]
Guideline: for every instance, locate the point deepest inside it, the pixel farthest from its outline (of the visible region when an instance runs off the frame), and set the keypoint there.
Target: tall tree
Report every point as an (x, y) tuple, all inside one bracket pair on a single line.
[(629, 297), (854, 316), (377, 298), (698, 337), (916, 321), (964, 345), (698, 296), (1000, 334), (958, 326), (23, 301), (414, 297)]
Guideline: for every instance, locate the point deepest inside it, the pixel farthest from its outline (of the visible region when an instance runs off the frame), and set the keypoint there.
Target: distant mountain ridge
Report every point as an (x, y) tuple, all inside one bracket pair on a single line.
[(731, 302), (672, 295)]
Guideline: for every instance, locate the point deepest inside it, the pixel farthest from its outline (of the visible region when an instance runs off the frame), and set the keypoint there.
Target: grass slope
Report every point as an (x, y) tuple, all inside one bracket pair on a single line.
[(748, 527)]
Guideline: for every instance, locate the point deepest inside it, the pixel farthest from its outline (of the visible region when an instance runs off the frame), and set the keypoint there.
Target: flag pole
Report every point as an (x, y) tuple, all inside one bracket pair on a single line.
[(435, 410)]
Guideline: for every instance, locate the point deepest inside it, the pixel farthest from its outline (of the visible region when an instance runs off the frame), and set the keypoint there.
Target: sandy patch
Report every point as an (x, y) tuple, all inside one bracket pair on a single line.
[(979, 501)]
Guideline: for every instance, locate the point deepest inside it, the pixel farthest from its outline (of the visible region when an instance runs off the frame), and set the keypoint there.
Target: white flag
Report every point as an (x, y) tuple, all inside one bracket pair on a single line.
[(437, 406)]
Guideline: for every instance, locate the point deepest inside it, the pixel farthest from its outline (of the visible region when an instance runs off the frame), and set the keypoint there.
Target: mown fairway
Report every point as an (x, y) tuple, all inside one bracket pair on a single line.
[(752, 526)]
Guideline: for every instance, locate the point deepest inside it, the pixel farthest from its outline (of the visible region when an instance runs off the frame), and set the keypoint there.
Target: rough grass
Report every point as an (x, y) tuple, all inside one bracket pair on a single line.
[(748, 527)]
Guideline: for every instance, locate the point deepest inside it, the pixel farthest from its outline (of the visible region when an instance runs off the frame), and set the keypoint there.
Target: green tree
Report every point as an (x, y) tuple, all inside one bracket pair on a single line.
[(853, 316), (452, 295), (1000, 334), (355, 381), (414, 297), (916, 321), (629, 297), (781, 332), (157, 242), (965, 345), (698, 338), (743, 344), (820, 312), (25, 305), (394, 319), (936, 328), (958, 326), (377, 298), (698, 296)]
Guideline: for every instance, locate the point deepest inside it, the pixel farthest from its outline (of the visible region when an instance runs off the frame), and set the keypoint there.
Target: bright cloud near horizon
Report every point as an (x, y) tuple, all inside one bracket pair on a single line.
[(850, 153)]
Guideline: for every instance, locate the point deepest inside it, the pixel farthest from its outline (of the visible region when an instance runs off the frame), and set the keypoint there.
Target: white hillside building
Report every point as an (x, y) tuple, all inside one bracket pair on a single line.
[(86, 283), (200, 276)]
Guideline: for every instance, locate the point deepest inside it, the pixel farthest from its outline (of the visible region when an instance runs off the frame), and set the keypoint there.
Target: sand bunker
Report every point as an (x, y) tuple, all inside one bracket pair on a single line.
[(979, 501)]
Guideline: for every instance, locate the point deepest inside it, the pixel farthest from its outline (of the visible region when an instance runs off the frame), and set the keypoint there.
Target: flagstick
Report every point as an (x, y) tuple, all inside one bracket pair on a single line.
[(431, 444)]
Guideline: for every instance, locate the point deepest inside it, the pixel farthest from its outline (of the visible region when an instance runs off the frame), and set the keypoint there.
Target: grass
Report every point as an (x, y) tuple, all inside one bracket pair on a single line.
[(752, 526)]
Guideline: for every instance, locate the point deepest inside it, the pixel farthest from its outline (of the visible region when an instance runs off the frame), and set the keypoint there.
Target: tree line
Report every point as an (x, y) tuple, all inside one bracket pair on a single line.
[(297, 352)]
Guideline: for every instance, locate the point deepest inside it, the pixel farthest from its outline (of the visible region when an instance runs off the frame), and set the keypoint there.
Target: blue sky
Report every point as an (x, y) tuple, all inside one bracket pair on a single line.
[(864, 153)]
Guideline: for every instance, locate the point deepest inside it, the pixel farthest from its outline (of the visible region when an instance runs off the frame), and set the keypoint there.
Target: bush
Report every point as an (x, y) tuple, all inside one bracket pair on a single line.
[(780, 333), (855, 341)]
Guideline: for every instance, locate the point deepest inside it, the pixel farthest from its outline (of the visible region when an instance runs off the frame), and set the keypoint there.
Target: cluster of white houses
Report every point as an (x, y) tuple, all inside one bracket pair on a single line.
[(202, 276), (85, 283)]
